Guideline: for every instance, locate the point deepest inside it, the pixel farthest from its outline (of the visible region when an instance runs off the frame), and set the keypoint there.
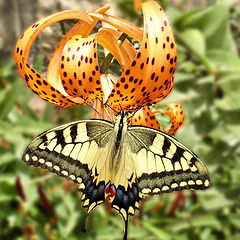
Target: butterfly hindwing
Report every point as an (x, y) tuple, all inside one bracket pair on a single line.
[(162, 164)]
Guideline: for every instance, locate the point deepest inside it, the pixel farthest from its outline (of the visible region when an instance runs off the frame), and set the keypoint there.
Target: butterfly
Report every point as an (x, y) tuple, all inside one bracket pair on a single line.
[(117, 162)]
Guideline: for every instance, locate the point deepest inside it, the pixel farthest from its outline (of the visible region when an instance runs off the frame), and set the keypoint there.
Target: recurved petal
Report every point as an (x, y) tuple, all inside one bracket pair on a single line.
[(124, 53), (109, 41), (121, 24), (175, 113), (149, 76), (33, 79), (81, 28), (145, 117), (45, 90), (79, 69), (127, 50)]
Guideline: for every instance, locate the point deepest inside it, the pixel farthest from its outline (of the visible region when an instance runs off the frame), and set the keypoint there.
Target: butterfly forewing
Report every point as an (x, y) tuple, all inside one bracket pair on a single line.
[(72, 151), (162, 164)]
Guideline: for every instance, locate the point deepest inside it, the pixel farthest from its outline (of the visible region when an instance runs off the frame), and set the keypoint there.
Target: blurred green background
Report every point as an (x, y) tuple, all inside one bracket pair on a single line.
[(37, 205)]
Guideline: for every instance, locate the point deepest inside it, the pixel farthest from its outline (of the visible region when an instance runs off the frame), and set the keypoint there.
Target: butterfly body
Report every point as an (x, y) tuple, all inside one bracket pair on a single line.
[(117, 162)]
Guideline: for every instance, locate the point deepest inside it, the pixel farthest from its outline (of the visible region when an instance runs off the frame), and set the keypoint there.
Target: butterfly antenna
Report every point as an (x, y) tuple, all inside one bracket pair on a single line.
[(105, 108), (94, 109), (120, 107), (110, 116), (108, 113), (109, 106), (132, 114)]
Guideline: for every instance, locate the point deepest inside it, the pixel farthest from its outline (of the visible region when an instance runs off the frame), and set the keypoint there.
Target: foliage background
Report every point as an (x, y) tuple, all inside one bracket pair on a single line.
[(37, 205)]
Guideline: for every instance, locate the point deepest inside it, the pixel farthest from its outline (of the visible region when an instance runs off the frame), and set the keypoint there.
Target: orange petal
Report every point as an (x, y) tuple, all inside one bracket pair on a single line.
[(150, 74), (170, 87), (108, 81), (137, 4), (32, 78), (145, 117), (175, 113), (79, 68), (82, 28), (121, 24), (126, 49), (108, 41)]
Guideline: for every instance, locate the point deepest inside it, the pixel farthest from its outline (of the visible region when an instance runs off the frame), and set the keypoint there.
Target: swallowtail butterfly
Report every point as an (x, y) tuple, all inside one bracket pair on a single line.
[(117, 162)]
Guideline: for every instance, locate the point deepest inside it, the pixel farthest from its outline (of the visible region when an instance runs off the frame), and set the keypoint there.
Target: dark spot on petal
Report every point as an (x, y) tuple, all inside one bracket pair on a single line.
[(131, 79), (153, 61), (153, 76)]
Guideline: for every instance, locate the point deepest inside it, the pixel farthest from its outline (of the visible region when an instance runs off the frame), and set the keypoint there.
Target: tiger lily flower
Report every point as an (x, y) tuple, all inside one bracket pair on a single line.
[(74, 76)]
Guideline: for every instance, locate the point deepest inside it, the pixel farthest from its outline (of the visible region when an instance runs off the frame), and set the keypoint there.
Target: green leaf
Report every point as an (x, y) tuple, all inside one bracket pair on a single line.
[(206, 220), (194, 40), (6, 158), (10, 96), (224, 61), (212, 22), (230, 101), (161, 234)]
